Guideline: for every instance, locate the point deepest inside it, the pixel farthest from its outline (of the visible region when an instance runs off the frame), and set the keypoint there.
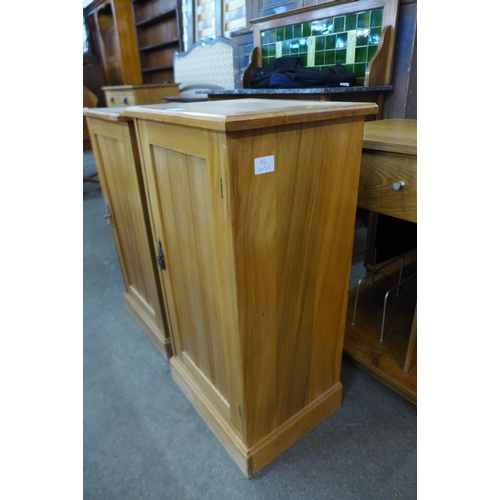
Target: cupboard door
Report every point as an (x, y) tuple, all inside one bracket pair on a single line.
[(121, 179), (181, 187)]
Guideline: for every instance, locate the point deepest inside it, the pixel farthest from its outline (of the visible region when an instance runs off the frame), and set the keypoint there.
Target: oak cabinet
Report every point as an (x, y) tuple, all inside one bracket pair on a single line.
[(116, 154), (388, 185), (253, 206), (388, 182), (131, 95)]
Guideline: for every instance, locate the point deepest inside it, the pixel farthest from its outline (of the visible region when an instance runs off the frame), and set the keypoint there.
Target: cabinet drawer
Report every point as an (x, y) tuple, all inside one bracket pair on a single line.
[(381, 173), (134, 95), (120, 99)]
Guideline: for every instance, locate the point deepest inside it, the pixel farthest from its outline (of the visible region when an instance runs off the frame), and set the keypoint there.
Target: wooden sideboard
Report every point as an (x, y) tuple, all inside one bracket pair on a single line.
[(253, 205), (373, 94), (388, 185), (133, 95), (116, 155)]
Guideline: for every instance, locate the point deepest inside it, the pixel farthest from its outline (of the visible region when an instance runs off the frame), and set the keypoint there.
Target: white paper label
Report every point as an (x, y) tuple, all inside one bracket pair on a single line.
[(264, 165)]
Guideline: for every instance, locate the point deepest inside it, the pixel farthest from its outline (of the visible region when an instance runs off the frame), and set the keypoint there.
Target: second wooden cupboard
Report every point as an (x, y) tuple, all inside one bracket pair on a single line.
[(116, 153)]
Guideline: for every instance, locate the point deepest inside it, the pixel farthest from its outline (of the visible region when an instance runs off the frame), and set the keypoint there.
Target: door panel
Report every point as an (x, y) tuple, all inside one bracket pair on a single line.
[(187, 227), (122, 191)]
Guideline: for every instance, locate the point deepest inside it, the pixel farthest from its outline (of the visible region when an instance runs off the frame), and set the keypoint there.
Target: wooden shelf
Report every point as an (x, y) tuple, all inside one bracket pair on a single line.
[(158, 68), (159, 38), (156, 19), (162, 45), (389, 361)]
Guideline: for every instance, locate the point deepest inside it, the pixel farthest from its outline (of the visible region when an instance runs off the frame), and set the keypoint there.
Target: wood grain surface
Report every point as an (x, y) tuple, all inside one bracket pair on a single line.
[(258, 264), (118, 164)]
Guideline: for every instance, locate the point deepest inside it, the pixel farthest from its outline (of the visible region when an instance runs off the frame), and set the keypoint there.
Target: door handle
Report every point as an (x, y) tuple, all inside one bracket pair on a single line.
[(160, 257)]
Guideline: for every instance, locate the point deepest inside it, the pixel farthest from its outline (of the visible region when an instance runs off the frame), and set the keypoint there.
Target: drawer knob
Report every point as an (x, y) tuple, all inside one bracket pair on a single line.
[(112, 99), (398, 185), (125, 101)]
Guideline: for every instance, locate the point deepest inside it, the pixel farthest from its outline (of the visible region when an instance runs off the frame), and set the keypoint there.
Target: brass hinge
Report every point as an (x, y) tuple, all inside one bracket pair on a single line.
[(108, 215)]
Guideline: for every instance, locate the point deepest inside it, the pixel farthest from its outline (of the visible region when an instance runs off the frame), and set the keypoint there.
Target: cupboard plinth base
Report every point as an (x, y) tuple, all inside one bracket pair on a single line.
[(152, 331), (403, 383), (251, 460)]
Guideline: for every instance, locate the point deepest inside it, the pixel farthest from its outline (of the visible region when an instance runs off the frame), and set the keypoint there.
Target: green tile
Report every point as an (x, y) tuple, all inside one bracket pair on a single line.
[(376, 19), (285, 48), (363, 20), (265, 52), (339, 24), (306, 29), (264, 37), (371, 52), (330, 57), (302, 45), (294, 47), (288, 33), (297, 31), (359, 70), (341, 42), (319, 57), (361, 55), (280, 33), (330, 41), (303, 59), (320, 43), (265, 62), (272, 49), (340, 56), (272, 36), (328, 23), (350, 22), (362, 37), (374, 36), (316, 28)]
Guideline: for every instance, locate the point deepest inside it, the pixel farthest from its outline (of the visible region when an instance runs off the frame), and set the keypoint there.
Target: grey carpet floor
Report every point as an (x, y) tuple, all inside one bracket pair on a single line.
[(142, 439)]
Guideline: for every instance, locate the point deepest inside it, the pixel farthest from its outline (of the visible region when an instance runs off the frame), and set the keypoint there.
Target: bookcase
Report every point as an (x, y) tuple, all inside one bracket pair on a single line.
[(111, 32), (158, 28)]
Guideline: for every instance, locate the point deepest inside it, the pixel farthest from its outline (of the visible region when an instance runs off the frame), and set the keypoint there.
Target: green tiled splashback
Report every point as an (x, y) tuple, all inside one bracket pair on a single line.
[(351, 40)]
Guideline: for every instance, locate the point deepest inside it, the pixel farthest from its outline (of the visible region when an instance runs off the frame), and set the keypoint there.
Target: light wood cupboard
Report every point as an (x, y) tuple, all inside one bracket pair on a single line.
[(131, 95), (388, 185), (253, 207), (116, 155)]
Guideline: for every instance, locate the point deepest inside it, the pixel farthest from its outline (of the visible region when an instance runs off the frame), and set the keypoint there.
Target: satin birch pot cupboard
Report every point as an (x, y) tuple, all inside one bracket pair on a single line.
[(117, 159), (253, 208)]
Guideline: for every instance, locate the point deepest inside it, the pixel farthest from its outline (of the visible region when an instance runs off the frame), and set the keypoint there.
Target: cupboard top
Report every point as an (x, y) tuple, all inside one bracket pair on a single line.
[(394, 135), (110, 114), (246, 114), (141, 86)]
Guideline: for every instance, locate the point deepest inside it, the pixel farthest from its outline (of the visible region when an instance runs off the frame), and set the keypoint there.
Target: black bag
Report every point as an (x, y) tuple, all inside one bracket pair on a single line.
[(287, 72)]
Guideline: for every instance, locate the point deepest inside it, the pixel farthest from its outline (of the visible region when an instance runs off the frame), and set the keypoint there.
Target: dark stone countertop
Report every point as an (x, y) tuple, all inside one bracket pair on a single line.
[(305, 90)]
